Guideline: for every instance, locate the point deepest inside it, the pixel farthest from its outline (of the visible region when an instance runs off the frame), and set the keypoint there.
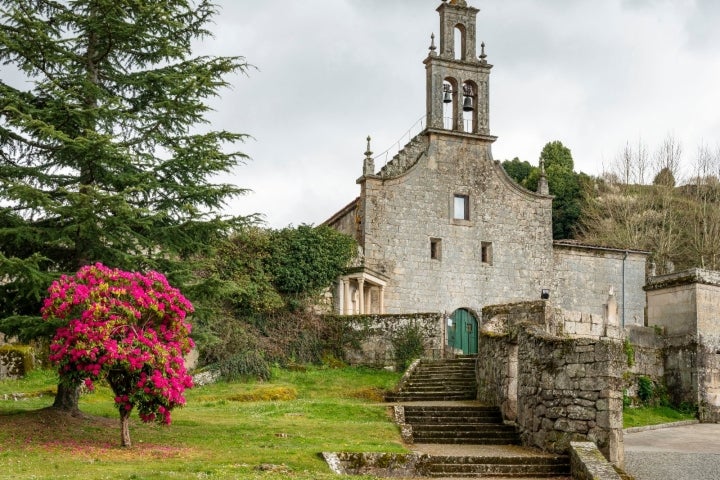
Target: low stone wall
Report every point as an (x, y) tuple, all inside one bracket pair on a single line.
[(587, 463), (387, 465), (556, 388), (371, 342), (15, 361)]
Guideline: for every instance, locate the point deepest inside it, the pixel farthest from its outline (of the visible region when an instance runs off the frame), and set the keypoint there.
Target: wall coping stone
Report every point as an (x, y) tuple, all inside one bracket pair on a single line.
[(686, 277), (588, 463)]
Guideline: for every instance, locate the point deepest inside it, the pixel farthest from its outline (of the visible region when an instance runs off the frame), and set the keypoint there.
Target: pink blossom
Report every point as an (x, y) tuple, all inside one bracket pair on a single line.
[(123, 320)]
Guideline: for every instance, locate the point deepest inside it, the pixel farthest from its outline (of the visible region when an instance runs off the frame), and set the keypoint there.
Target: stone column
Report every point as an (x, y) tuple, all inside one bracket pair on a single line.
[(382, 300), (368, 299), (340, 299), (346, 297), (361, 296)]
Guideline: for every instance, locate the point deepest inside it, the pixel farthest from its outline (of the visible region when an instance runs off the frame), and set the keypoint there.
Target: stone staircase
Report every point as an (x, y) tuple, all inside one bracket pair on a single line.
[(463, 439), (443, 380)]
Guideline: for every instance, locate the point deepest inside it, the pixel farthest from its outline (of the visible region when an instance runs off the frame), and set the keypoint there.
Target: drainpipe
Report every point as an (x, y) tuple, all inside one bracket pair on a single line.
[(623, 289)]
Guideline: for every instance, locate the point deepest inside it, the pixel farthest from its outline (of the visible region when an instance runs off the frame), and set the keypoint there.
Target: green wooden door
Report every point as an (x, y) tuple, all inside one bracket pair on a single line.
[(463, 332)]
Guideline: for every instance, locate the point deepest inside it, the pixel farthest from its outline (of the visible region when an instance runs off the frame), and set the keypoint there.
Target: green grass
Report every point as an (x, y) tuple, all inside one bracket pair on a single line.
[(643, 416), (213, 437)]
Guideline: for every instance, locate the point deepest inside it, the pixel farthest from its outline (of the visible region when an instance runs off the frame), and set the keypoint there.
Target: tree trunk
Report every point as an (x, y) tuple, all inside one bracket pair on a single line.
[(67, 398), (125, 428)]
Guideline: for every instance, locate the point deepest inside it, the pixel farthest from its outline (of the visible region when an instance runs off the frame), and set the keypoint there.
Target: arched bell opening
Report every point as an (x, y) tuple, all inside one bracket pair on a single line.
[(469, 106), (460, 35), (450, 103)]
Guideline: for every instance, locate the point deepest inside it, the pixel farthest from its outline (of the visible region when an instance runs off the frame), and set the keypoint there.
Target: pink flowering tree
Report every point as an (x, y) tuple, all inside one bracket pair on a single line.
[(126, 328)]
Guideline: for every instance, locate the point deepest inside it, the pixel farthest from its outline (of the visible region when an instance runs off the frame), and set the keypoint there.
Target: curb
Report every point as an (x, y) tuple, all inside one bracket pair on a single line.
[(659, 426)]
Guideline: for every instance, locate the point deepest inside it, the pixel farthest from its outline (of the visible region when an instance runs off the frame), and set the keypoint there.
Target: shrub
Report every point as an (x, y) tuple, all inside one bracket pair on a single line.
[(408, 343), (646, 389), (241, 366)]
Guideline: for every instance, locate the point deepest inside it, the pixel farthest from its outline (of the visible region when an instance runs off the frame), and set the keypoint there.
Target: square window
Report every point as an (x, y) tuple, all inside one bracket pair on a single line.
[(486, 253), (435, 248), (461, 207)]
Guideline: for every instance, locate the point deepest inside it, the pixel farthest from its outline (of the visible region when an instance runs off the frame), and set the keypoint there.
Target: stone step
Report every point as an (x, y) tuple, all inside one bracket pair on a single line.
[(478, 429), (458, 420), (429, 396), (509, 467), (451, 410), (443, 374), (439, 388), (436, 372), (452, 381), (467, 440)]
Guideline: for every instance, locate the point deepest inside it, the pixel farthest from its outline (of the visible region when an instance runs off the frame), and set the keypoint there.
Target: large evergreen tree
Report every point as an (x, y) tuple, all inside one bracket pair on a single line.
[(103, 154)]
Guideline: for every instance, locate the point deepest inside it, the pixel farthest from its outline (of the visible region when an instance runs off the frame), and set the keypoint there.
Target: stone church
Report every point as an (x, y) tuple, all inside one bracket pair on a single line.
[(442, 228), (447, 238)]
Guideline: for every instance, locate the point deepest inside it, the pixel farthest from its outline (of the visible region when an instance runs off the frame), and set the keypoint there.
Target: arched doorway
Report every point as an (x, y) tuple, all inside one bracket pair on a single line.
[(462, 332)]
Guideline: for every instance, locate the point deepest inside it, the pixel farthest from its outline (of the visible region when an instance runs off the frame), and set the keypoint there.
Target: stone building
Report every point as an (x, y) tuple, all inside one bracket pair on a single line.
[(442, 228)]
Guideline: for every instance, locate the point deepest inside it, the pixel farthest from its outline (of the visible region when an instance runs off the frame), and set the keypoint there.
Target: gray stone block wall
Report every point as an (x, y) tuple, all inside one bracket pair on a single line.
[(583, 277)]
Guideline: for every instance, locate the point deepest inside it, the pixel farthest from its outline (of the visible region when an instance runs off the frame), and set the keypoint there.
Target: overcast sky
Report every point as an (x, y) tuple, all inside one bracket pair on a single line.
[(592, 74)]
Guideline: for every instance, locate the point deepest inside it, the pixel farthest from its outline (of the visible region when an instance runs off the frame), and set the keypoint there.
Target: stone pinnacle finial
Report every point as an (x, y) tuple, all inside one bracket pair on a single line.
[(432, 44), (369, 162), (543, 188), (482, 53)]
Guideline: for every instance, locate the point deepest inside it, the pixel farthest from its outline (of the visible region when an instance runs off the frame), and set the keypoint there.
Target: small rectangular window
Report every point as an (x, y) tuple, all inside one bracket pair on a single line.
[(461, 207), (486, 253), (435, 248)]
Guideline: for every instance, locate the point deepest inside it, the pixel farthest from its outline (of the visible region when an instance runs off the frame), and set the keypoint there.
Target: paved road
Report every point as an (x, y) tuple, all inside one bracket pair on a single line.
[(689, 452)]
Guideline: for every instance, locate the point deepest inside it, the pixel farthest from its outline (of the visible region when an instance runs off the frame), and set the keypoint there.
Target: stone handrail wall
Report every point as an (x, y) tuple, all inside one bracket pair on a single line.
[(556, 388), (569, 390)]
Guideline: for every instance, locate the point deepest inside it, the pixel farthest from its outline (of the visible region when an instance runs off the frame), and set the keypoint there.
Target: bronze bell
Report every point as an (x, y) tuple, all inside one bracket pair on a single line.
[(447, 96), (468, 104)]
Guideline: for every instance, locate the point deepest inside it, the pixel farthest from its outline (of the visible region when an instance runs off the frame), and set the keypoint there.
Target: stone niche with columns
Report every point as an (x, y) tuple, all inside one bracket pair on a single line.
[(359, 292)]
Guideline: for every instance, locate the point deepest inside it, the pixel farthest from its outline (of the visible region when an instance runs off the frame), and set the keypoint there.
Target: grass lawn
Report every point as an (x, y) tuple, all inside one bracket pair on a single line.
[(642, 416), (222, 433)]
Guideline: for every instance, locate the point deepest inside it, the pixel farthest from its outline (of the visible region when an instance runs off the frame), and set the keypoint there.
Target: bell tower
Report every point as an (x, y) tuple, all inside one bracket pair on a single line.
[(457, 79)]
